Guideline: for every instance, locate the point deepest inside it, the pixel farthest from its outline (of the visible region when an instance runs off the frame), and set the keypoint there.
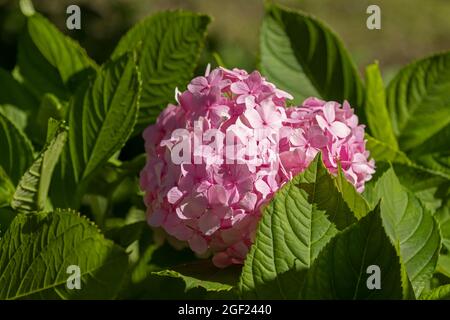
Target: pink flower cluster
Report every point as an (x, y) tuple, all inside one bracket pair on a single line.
[(214, 204)]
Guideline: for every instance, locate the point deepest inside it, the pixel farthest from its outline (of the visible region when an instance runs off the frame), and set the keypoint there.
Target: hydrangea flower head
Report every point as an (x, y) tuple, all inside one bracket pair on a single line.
[(230, 143)]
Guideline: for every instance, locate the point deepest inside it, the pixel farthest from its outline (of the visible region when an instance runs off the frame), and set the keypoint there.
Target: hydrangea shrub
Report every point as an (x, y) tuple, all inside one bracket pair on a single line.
[(212, 198)]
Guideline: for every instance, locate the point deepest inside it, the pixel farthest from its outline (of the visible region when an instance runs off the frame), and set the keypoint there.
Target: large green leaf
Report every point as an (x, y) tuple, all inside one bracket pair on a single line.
[(278, 62), (16, 150), (411, 228), (102, 116), (36, 251), (31, 193), (294, 227), (48, 61), (340, 270), (376, 110), (170, 44), (15, 94), (418, 100), (318, 55)]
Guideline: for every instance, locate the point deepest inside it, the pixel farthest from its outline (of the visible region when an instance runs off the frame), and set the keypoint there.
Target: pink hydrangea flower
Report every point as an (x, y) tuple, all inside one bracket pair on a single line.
[(219, 155)]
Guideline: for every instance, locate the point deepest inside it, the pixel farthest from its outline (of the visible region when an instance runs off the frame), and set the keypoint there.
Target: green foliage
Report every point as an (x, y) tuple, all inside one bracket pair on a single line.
[(31, 193), (418, 100), (411, 228), (48, 61), (170, 44), (314, 55), (101, 118), (376, 109), (36, 251), (340, 271), (301, 219), (17, 152)]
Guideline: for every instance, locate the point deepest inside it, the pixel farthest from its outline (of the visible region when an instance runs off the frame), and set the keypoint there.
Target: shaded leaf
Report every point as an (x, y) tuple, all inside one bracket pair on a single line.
[(102, 116), (340, 271), (36, 251), (47, 59), (169, 44), (17, 152), (294, 227), (319, 52)]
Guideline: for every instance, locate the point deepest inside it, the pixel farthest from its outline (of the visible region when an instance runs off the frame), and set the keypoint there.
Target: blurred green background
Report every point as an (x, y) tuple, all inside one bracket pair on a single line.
[(410, 28)]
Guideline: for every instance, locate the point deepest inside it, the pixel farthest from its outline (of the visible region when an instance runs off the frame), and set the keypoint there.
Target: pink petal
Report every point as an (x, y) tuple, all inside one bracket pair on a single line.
[(198, 244), (174, 195), (221, 260), (323, 124), (329, 112), (248, 202), (208, 223), (197, 84), (239, 87), (192, 207), (253, 118), (155, 218), (262, 187), (217, 195), (339, 129), (318, 141)]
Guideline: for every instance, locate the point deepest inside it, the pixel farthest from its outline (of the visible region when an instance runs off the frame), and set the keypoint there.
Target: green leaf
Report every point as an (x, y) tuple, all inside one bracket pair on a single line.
[(381, 151), (31, 193), (6, 189), (102, 116), (426, 185), (418, 100), (317, 50), (376, 110), (204, 275), (443, 216), (126, 234), (15, 94), (15, 115), (411, 228), (294, 227), (170, 44), (439, 293), (48, 60), (37, 250), (278, 61), (357, 204), (341, 269), (444, 265), (434, 152), (17, 152)]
